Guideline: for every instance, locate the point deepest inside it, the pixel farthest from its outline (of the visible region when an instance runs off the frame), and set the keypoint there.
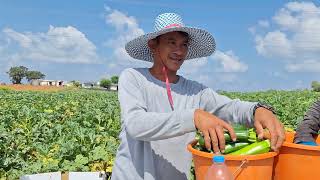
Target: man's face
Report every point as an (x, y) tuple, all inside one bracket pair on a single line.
[(172, 49)]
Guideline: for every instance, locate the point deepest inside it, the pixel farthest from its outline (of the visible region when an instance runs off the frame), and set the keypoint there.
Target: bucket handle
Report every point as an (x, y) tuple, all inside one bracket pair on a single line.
[(238, 170)]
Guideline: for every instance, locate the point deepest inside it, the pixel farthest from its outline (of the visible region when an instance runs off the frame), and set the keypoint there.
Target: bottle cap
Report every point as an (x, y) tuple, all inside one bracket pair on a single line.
[(218, 159)]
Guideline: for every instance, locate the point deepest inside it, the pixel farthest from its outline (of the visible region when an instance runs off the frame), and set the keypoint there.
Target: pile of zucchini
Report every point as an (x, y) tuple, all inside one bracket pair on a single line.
[(247, 143)]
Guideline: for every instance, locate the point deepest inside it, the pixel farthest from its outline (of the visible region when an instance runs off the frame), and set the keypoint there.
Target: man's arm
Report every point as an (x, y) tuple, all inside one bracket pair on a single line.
[(232, 111), (310, 125)]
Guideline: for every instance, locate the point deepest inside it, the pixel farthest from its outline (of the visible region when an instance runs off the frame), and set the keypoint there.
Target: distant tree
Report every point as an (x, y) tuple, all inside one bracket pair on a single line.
[(115, 79), (75, 83), (315, 85), (106, 83), (17, 73), (32, 75)]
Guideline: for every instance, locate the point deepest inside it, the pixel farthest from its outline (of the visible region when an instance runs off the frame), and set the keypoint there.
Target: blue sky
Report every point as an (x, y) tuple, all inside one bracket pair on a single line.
[(261, 45)]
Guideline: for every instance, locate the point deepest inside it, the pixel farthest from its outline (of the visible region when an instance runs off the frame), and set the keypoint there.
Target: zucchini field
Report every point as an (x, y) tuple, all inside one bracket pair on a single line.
[(77, 130), (57, 131)]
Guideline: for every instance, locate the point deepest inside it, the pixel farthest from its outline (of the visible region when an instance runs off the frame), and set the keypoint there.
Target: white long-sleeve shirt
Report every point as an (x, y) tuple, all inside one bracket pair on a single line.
[(153, 137)]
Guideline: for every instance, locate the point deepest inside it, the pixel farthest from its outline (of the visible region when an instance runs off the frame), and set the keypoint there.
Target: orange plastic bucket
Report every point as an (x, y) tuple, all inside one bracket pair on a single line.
[(243, 167), (296, 161)]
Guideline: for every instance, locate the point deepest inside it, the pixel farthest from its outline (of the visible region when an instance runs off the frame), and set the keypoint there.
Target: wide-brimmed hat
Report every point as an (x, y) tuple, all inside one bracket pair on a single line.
[(201, 42)]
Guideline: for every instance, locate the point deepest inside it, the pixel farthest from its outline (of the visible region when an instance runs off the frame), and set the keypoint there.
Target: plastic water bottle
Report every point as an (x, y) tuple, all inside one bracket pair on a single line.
[(218, 170)]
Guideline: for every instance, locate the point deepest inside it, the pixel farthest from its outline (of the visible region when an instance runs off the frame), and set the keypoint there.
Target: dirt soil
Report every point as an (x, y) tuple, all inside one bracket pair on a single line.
[(21, 87)]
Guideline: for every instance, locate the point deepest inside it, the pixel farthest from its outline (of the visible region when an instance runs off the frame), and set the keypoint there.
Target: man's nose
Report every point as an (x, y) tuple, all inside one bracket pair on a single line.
[(179, 51)]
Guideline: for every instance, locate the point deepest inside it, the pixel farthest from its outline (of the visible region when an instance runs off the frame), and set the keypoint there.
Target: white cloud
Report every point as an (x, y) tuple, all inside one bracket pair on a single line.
[(124, 23), (263, 23), (300, 84), (285, 20), (203, 79), (229, 62), (295, 37), (274, 44), (228, 78), (252, 30), (228, 65), (59, 44), (8, 56), (193, 66), (305, 66), (127, 28), (219, 68), (278, 75)]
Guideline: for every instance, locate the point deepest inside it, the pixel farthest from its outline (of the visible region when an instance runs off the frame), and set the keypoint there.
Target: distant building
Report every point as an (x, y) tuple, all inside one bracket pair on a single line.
[(44, 82), (114, 87), (67, 84), (89, 85), (96, 85)]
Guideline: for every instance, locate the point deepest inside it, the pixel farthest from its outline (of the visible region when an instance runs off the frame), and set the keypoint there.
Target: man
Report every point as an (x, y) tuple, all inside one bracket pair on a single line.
[(308, 128), (160, 110)]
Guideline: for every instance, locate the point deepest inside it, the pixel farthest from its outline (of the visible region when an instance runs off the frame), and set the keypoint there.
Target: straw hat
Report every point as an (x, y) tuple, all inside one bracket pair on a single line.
[(201, 42)]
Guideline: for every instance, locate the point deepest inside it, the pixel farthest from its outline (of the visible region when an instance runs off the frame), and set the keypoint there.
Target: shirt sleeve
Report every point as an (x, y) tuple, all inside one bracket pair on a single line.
[(149, 126), (310, 125), (232, 111)]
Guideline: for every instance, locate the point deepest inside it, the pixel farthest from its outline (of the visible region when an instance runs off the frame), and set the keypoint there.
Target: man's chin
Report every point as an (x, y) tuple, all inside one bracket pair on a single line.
[(174, 68)]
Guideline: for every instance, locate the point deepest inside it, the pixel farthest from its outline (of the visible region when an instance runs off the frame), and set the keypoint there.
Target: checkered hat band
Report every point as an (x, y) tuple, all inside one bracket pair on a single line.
[(167, 19), (173, 25)]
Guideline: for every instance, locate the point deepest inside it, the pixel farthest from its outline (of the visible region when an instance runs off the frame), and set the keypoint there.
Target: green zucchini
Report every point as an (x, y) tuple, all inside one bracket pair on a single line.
[(254, 148), (229, 148), (243, 135)]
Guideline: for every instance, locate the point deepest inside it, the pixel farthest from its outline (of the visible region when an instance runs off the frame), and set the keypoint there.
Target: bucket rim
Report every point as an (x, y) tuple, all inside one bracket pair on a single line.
[(288, 143), (301, 146), (230, 157)]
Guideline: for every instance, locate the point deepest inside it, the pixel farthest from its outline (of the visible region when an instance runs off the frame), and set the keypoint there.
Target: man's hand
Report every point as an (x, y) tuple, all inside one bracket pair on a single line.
[(264, 118), (212, 129)]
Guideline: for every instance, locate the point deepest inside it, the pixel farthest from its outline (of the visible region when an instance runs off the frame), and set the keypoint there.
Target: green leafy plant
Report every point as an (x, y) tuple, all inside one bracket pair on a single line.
[(78, 129), (74, 130)]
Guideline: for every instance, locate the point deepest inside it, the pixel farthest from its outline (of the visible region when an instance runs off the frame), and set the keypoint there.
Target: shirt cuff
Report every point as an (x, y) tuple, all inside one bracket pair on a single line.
[(250, 122), (187, 122)]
